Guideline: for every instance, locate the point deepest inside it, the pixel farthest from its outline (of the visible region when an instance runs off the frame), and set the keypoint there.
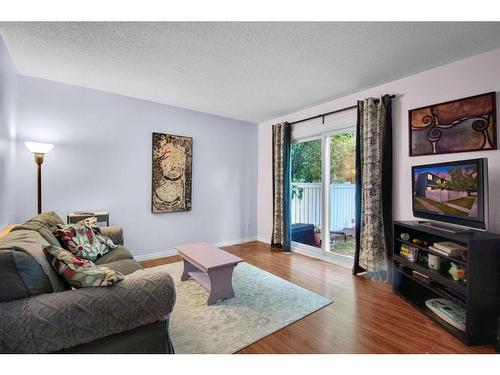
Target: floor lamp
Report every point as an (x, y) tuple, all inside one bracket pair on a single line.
[(39, 149)]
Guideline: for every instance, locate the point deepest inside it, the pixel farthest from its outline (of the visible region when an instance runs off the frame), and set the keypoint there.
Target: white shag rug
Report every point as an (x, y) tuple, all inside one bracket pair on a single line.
[(263, 304)]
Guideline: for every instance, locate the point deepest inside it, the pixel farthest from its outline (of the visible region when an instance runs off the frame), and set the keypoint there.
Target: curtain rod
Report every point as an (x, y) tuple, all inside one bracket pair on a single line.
[(329, 113)]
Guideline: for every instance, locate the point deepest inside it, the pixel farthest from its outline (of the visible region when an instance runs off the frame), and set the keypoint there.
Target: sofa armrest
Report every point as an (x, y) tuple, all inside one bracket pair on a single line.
[(55, 321), (114, 232)]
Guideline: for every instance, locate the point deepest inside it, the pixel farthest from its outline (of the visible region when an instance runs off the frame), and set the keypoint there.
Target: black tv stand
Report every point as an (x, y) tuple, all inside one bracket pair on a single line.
[(479, 294), (446, 228)]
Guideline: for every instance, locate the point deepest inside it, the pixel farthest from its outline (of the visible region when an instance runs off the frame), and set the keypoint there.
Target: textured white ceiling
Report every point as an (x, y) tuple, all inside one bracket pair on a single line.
[(249, 71)]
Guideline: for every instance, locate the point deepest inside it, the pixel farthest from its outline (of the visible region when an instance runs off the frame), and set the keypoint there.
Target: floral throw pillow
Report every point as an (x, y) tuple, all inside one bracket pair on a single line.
[(84, 239), (92, 222), (80, 273)]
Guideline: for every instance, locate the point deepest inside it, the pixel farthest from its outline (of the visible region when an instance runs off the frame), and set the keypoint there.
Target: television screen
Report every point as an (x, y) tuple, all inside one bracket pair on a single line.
[(453, 192)]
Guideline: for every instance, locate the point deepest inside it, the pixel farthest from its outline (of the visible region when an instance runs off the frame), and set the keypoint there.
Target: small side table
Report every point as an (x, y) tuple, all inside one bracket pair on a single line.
[(211, 267), (75, 217)]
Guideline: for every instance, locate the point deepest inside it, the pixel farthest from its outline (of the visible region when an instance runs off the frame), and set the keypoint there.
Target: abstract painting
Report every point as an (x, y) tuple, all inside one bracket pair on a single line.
[(172, 173), (467, 124)]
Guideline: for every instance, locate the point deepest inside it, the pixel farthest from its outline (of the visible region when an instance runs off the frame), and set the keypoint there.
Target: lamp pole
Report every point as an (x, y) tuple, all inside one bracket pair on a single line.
[(39, 161), (39, 150)]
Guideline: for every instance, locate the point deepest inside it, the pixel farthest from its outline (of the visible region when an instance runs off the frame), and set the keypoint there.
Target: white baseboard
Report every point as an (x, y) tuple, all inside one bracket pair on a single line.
[(172, 252), (263, 239), (159, 254), (235, 242)]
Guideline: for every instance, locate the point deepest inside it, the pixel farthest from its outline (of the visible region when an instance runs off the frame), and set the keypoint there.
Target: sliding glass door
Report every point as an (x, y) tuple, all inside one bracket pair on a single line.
[(307, 193), (342, 193), (323, 195)]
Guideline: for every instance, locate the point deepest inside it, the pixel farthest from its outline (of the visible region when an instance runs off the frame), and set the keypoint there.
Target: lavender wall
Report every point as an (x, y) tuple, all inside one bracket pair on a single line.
[(102, 161), (471, 76), (8, 87)]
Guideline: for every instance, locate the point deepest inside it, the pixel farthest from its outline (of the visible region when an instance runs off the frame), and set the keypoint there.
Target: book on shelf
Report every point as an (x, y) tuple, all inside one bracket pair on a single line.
[(440, 252), (408, 252), (448, 247)]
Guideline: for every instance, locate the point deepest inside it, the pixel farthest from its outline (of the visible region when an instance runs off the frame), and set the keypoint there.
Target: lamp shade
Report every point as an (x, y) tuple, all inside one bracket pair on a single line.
[(39, 148)]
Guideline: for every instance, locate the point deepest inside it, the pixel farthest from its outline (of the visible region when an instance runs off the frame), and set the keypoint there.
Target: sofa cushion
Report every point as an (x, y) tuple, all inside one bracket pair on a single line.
[(120, 253), (12, 286), (49, 218), (80, 273), (113, 232), (33, 276), (125, 266), (42, 229), (83, 241), (31, 265), (45, 224)]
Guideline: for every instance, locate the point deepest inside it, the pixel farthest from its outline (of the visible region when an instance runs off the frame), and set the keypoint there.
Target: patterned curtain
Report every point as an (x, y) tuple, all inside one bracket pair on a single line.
[(281, 186), (374, 188)]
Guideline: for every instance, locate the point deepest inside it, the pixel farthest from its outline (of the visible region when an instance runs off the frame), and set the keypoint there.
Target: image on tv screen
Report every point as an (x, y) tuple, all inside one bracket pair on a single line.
[(450, 190)]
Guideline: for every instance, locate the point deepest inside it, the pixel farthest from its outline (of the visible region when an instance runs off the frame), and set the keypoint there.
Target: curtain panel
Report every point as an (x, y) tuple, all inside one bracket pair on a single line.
[(281, 186), (374, 188)]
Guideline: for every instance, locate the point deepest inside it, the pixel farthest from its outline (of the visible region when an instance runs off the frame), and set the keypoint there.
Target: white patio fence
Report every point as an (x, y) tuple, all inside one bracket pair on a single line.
[(439, 195), (308, 209)]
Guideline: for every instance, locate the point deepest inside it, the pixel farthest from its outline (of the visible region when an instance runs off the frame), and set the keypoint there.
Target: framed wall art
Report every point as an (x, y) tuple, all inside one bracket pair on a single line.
[(172, 173), (461, 125)]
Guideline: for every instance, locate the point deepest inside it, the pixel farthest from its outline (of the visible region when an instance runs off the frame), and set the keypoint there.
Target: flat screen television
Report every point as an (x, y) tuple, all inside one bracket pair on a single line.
[(452, 192)]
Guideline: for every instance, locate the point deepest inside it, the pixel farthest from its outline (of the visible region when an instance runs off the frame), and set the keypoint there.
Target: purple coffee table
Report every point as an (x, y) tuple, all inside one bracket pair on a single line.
[(211, 267)]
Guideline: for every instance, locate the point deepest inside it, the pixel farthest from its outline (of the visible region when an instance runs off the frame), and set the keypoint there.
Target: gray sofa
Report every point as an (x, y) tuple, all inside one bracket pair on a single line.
[(40, 314)]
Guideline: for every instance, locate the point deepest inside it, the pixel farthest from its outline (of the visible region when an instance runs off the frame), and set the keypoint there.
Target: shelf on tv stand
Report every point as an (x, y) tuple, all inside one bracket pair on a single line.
[(454, 259), (432, 287), (433, 275), (419, 304)]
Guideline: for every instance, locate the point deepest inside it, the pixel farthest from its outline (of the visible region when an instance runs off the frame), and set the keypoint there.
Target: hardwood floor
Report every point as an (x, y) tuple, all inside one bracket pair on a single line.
[(365, 316)]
